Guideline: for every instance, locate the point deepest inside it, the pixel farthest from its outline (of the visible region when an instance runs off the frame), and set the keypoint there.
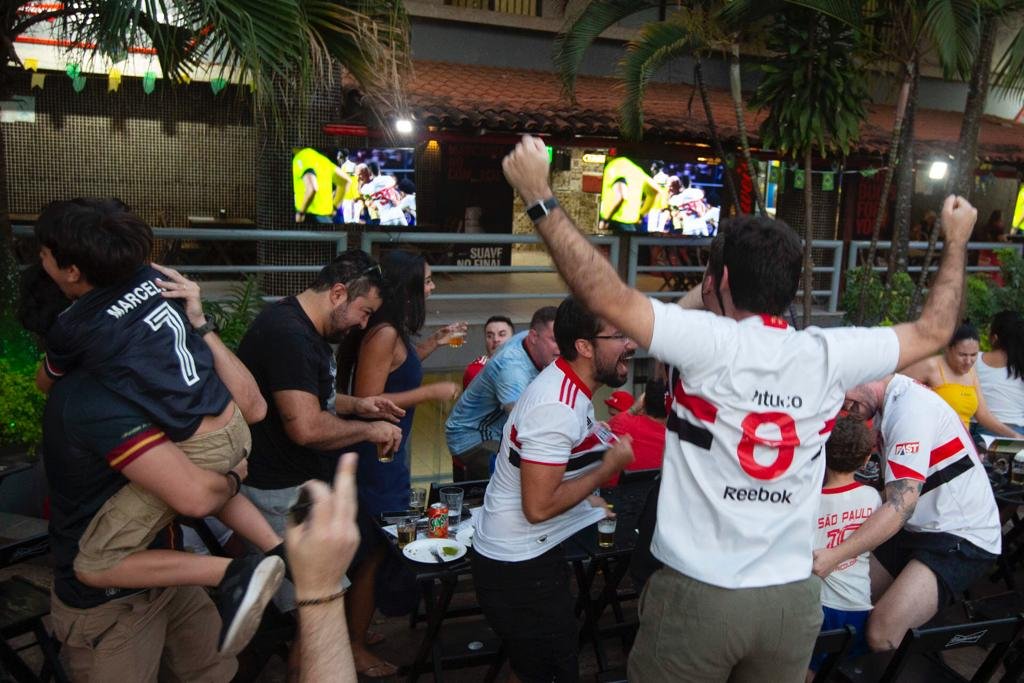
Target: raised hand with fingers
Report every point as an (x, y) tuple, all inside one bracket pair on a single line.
[(177, 286)]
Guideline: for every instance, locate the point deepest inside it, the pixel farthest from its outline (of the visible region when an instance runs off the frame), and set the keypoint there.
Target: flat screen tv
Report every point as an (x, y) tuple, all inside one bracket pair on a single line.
[(368, 186), (655, 196)]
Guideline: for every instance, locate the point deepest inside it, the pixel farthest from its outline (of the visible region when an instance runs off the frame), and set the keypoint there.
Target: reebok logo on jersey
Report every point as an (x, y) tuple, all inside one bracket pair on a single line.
[(906, 448), (758, 495)]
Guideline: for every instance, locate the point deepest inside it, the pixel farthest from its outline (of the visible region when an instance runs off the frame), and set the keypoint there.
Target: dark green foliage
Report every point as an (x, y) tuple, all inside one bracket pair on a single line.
[(235, 314), (21, 404), (863, 278), (815, 90)]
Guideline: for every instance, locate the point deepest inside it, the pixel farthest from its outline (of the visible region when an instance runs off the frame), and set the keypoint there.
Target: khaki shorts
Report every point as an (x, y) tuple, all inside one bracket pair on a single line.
[(130, 519), (165, 634), (695, 632)]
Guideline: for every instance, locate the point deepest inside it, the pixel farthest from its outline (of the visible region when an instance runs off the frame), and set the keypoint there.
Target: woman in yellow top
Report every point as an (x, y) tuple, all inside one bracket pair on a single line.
[(952, 376)]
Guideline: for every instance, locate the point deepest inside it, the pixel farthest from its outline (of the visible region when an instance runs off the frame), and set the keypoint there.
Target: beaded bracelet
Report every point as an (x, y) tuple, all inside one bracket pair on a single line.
[(320, 601)]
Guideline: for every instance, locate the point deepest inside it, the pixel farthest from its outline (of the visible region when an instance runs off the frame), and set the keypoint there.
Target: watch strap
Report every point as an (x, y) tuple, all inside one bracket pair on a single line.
[(209, 326), (542, 208)]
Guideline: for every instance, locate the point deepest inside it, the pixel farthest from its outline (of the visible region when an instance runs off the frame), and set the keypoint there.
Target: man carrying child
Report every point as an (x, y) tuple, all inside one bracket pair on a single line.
[(140, 331)]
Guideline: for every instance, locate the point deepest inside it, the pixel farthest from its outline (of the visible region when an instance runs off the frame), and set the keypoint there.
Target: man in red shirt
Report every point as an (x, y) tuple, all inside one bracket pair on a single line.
[(497, 330), (638, 420)]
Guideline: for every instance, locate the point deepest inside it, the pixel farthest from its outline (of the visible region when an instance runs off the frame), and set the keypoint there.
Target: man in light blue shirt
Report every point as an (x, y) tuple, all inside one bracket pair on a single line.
[(473, 429)]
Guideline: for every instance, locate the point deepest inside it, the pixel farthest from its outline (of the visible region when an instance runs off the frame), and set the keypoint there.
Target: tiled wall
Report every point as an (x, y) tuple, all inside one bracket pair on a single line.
[(180, 151)]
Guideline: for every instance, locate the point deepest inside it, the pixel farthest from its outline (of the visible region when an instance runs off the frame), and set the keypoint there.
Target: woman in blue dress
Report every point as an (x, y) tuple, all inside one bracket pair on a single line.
[(388, 363)]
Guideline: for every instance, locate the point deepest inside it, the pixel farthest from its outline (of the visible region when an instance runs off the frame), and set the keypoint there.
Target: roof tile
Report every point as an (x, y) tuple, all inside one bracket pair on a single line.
[(518, 100)]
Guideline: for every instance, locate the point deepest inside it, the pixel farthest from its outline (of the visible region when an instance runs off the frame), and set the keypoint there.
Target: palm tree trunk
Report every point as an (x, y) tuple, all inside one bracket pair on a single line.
[(883, 203), (736, 89), (962, 182), (929, 255), (808, 237), (904, 193), (716, 141)]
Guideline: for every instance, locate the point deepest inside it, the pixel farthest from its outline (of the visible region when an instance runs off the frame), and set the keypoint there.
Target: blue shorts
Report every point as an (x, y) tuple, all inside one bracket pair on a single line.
[(837, 618)]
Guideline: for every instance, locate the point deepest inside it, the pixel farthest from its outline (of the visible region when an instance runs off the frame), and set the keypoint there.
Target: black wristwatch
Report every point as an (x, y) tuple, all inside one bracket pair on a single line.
[(210, 326), (541, 209)]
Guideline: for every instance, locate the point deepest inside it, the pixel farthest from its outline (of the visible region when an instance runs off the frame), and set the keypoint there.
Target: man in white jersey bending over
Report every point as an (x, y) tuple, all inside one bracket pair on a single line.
[(938, 530), (753, 404), (553, 455)]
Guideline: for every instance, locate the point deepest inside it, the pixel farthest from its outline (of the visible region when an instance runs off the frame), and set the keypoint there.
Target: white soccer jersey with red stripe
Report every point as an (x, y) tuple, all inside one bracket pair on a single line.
[(753, 402), (552, 424), (843, 509), (924, 440)]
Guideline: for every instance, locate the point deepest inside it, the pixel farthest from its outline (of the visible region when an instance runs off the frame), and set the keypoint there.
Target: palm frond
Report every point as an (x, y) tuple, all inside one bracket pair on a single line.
[(953, 27), (281, 46), (1009, 71), (734, 15), (581, 30), (370, 39), (849, 12), (657, 43)]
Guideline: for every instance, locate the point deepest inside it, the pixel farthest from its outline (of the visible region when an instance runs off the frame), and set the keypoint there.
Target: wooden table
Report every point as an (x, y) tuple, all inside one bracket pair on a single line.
[(437, 583), (22, 538)]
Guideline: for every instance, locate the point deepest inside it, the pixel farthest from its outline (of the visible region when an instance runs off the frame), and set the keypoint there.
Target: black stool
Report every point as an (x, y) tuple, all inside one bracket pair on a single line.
[(22, 608)]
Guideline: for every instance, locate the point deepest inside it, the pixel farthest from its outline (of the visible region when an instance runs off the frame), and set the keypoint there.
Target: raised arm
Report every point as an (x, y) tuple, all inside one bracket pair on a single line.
[(236, 377), (319, 551), (926, 335), (375, 358), (589, 274)]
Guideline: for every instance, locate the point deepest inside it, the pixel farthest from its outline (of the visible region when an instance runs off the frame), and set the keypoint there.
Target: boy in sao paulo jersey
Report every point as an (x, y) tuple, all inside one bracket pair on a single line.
[(753, 402), (845, 505), (938, 531)]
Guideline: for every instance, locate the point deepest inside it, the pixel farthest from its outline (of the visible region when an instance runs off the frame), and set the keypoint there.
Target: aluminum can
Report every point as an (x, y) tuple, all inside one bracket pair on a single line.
[(437, 521)]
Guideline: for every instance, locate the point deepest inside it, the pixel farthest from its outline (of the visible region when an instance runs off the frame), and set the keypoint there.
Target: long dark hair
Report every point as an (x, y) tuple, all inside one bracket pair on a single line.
[(965, 331), (404, 308), (1007, 334)]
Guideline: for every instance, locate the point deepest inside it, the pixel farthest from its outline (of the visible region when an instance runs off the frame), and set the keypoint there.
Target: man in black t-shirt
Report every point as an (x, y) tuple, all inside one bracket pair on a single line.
[(288, 351), (111, 633)]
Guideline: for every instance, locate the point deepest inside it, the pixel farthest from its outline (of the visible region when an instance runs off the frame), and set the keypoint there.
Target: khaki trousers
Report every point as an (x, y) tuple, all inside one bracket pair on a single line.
[(165, 634), (131, 518), (693, 631)]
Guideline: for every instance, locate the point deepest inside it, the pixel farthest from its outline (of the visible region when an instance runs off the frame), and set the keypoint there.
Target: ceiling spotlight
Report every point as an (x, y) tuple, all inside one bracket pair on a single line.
[(403, 126), (938, 170)]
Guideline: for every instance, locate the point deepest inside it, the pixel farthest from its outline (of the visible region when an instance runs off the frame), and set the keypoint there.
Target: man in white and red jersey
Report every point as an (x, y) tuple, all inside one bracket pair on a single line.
[(753, 402), (553, 455), (938, 530)]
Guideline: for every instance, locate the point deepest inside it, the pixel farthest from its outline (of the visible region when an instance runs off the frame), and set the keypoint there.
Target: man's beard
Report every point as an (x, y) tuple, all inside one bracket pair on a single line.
[(609, 374), (336, 332)]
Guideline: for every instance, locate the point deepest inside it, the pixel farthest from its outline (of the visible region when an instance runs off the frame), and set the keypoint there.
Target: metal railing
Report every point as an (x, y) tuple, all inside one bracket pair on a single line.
[(834, 271), (340, 240), (854, 256), (689, 265), (451, 239)]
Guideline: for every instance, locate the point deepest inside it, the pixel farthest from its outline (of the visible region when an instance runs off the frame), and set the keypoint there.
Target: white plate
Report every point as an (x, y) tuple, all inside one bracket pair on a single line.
[(465, 535), (423, 550)]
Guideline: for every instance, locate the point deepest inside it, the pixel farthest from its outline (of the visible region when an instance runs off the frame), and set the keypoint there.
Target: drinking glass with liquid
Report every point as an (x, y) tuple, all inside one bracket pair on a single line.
[(417, 500), (406, 532), (452, 497)]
